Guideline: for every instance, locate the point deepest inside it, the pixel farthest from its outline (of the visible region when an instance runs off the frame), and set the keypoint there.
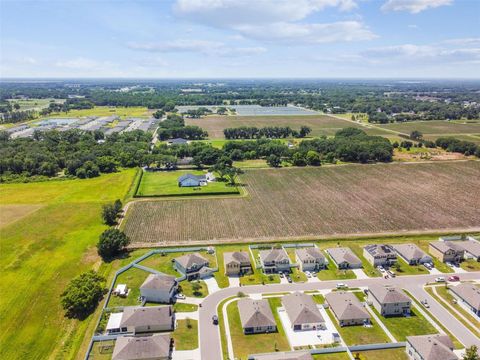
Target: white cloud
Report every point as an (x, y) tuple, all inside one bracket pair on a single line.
[(275, 20), (413, 6), (213, 48), (78, 63)]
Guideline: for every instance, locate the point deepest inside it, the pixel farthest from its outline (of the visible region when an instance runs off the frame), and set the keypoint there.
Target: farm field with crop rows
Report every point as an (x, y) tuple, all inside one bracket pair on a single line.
[(309, 202), (320, 124)]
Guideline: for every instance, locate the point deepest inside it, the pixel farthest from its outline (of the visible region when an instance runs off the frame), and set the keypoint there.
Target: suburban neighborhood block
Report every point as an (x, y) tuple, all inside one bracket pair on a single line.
[(412, 254), (303, 312), (159, 288), (389, 300), (469, 294), (347, 308), (380, 254), (256, 316), (155, 347), (274, 260), (430, 347), (344, 258), (194, 266), (310, 258), (237, 263)]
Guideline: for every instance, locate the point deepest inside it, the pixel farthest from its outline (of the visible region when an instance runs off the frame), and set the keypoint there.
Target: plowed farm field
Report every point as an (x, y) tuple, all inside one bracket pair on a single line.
[(308, 202)]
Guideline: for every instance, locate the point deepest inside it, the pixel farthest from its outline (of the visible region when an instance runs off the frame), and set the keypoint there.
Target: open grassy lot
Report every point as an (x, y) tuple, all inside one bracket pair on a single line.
[(320, 124), (41, 252), (163, 183), (391, 354), (133, 278), (12, 213), (311, 202), (186, 334), (401, 327), (243, 345), (123, 112), (34, 104), (359, 335), (437, 127)]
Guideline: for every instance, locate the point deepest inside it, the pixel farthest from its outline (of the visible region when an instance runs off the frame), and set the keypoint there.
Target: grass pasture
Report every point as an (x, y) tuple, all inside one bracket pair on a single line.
[(41, 252), (307, 203), (436, 127), (165, 183), (320, 124), (123, 112), (12, 213)]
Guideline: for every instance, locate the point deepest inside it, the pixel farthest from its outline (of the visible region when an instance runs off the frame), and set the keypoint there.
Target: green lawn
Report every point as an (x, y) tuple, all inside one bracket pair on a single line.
[(403, 268), (220, 276), (183, 307), (251, 164), (368, 268), (334, 356), (162, 262), (470, 265), (401, 327), (131, 111), (134, 278), (41, 252), (332, 273), (102, 350), (390, 354), (359, 335), (243, 345), (165, 183), (186, 334), (187, 288)]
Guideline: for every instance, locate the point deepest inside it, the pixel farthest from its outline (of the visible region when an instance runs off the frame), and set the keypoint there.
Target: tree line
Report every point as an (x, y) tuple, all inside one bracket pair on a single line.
[(174, 127), (269, 132)]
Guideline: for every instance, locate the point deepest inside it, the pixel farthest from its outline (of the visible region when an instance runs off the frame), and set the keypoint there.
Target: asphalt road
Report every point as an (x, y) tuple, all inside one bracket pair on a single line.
[(209, 334)]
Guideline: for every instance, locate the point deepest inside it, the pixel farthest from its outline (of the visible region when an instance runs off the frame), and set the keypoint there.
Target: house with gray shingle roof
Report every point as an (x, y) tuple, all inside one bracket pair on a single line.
[(155, 347), (159, 288), (190, 180), (274, 260), (288, 355), (237, 263), (389, 300), (347, 308), (412, 254), (446, 251), (310, 258), (302, 312), (193, 266), (471, 248), (380, 254), (344, 258), (256, 316), (469, 294), (430, 347), (138, 319)]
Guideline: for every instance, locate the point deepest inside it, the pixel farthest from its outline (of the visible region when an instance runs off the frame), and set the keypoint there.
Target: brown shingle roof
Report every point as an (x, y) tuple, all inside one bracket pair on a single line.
[(274, 255), (469, 293), (159, 282), (255, 313), (388, 294), (346, 306), (433, 347), (139, 348), (310, 253), (189, 260), (409, 251), (146, 316), (343, 254), (444, 246), (301, 309), (240, 257)]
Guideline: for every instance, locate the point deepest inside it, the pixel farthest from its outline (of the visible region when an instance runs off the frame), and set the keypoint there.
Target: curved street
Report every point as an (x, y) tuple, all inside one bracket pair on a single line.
[(209, 334)]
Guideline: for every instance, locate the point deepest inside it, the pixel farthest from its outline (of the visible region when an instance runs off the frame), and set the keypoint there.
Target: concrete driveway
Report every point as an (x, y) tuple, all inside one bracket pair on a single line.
[(360, 274), (212, 284)]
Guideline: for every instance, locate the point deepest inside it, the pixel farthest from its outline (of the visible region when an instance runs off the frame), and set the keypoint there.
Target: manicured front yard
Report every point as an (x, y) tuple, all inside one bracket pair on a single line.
[(358, 335), (186, 334), (391, 354), (470, 265), (335, 356), (368, 268), (243, 345), (165, 183), (189, 288), (401, 327), (183, 307), (222, 279), (332, 273), (403, 268)]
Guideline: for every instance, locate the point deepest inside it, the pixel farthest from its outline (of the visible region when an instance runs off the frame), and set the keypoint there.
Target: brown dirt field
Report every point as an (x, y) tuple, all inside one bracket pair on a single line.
[(11, 213), (427, 154), (295, 203), (320, 124)]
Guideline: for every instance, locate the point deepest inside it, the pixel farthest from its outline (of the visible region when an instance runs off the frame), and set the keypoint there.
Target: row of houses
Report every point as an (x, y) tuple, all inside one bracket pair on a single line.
[(455, 251)]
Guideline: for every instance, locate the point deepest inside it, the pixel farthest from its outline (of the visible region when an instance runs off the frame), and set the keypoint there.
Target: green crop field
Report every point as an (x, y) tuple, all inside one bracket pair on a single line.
[(320, 124), (40, 252), (437, 127), (163, 183), (295, 203)]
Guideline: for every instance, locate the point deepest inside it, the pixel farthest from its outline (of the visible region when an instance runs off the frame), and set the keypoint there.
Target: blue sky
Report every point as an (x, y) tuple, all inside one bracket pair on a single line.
[(240, 38)]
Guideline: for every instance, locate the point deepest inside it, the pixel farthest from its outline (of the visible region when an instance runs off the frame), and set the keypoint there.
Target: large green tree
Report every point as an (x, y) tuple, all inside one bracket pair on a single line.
[(112, 241)]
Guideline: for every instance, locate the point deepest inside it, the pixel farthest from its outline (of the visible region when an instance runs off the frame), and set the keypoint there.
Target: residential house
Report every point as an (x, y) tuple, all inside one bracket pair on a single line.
[(138, 319), (155, 347), (380, 254), (237, 263), (347, 308), (471, 248), (256, 316), (190, 180), (446, 251), (469, 294), (412, 254), (344, 258), (430, 347), (303, 312), (389, 300), (274, 260), (159, 288), (193, 266), (310, 258), (288, 355)]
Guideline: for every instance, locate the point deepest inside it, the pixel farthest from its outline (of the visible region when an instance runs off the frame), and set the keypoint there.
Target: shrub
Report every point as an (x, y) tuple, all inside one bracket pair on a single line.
[(82, 294)]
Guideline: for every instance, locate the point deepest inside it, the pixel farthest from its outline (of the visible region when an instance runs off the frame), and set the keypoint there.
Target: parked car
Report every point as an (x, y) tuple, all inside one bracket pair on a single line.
[(341, 285), (428, 266), (381, 269), (391, 273), (308, 273), (449, 264), (282, 275), (289, 279), (440, 279), (215, 319), (179, 296), (454, 278)]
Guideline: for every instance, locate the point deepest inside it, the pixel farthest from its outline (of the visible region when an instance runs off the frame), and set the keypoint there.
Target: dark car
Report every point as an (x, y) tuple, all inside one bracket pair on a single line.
[(215, 319)]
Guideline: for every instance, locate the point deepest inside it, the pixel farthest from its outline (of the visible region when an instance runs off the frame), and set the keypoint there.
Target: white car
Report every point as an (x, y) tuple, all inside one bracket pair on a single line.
[(381, 269), (449, 264), (341, 285), (308, 273), (440, 279), (180, 296)]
